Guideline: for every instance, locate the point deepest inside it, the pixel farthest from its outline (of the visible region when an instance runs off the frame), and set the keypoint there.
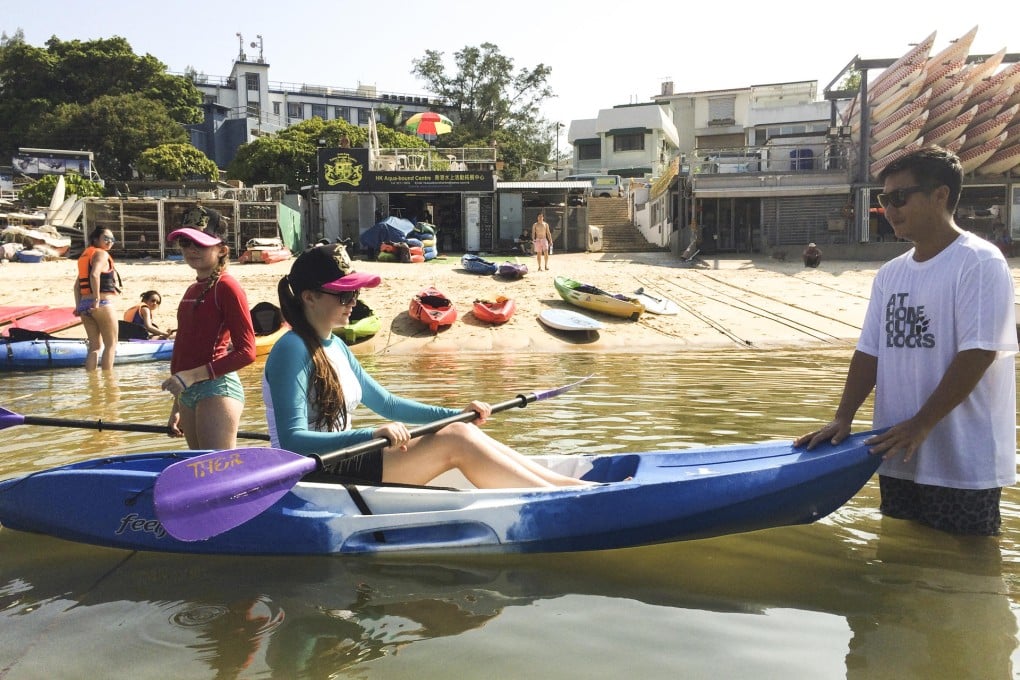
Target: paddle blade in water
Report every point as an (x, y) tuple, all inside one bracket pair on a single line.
[(203, 496)]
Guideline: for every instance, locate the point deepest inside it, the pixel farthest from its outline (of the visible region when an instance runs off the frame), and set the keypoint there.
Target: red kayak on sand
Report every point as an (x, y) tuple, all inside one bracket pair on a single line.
[(12, 312), (498, 311), (49, 320), (433, 309)]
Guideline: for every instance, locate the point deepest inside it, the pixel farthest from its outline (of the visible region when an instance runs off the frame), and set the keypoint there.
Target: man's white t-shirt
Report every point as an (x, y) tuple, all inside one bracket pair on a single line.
[(921, 314)]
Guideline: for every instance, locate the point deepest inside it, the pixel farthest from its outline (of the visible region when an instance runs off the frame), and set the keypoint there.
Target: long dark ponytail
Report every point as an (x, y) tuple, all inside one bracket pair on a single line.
[(329, 394)]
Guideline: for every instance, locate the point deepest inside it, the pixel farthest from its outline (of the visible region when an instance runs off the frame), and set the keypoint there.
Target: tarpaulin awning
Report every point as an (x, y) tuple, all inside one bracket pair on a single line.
[(770, 191)]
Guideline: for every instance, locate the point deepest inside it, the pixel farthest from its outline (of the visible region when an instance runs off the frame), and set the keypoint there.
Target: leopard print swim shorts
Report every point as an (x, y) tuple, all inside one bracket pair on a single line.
[(957, 511)]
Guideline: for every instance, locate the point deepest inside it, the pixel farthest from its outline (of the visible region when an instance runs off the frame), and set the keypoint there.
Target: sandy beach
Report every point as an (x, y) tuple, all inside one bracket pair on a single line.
[(725, 302)]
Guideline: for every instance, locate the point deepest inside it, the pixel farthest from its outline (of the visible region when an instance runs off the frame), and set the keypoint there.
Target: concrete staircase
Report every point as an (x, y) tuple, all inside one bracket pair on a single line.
[(619, 235)]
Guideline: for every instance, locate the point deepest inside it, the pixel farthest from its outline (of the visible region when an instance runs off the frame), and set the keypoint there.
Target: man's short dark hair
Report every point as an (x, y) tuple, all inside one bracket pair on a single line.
[(931, 167)]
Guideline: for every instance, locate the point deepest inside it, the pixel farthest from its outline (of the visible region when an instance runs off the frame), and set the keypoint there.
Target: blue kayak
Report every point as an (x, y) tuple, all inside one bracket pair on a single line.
[(30, 355), (478, 265), (641, 498)]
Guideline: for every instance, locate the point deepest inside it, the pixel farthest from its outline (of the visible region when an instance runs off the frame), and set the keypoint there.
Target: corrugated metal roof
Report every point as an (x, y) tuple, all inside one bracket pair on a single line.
[(543, 185)]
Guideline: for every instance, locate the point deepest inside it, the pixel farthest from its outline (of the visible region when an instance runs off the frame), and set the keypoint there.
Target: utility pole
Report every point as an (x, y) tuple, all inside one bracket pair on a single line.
[(557, 161)]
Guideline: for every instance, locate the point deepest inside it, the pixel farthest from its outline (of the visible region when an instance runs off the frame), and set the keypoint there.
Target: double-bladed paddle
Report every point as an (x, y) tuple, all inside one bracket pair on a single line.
[(204, 496), (10, 419)]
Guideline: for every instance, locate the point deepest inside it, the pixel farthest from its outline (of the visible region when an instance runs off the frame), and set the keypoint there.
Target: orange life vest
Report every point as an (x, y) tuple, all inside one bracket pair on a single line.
[(107, 281)]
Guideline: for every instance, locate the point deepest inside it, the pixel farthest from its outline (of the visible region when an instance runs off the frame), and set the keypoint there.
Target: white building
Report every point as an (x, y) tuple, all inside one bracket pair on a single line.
[(246, 104), (634, 140)]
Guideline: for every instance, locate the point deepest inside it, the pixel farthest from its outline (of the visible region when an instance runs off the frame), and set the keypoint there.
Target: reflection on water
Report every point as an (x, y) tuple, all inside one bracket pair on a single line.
[(854, 595)]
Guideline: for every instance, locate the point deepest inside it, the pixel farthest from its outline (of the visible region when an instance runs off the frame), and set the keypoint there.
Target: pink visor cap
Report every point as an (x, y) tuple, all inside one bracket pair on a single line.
[(328, 268), (198, 236)]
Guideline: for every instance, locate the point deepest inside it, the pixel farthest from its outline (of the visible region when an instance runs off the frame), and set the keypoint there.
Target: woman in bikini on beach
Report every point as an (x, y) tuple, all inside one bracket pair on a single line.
[(95, 289)]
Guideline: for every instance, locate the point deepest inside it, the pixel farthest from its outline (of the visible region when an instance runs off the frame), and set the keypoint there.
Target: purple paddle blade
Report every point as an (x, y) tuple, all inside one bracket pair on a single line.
[(203, 496), (548, 394), (10, 419)]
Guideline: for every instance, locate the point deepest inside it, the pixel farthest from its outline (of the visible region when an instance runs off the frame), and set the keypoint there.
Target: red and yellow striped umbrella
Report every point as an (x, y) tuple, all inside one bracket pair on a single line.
[(428, 123)]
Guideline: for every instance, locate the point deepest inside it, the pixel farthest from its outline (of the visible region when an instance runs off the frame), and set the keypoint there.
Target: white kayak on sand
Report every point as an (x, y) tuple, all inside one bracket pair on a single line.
[(566, 320), (655, 304)]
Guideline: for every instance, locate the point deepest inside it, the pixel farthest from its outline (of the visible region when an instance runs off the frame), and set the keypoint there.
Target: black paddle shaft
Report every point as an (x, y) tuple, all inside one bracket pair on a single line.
[(329, 461), (123, 427)]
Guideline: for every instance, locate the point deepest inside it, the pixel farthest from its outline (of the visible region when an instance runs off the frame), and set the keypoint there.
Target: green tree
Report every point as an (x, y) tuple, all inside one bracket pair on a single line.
[(117, 128), (328, 133), (490, 101), (40, 192), (395, 139), (36, 81), (176, 162), (273, 159), (483, 90), (289, 156), (389, 116)]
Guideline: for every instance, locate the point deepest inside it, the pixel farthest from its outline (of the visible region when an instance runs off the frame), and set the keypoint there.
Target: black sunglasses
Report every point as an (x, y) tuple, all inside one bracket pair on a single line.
[(347, 297), (185, 243), (899, 197)]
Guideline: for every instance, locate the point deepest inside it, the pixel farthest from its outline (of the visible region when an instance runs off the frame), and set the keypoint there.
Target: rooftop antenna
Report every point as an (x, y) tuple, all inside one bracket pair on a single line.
[(241, 56), (259, 45)]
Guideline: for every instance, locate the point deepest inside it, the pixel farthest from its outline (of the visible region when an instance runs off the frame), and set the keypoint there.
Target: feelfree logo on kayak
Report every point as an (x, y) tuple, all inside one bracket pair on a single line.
[(136, 523)]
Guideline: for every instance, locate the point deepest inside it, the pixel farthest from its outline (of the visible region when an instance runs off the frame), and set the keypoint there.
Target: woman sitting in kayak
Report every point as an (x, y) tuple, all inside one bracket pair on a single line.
[(143, 313), (312, 383)]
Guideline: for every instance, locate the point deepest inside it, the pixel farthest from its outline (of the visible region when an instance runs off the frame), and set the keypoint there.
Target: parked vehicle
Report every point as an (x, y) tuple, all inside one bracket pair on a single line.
[(602, 186)]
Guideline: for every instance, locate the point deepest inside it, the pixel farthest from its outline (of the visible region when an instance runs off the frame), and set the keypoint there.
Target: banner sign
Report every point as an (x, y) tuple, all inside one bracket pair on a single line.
[(345, 169)]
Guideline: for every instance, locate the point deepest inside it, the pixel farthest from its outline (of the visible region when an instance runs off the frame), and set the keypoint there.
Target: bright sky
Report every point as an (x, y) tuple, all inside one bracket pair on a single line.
[(602, 53)]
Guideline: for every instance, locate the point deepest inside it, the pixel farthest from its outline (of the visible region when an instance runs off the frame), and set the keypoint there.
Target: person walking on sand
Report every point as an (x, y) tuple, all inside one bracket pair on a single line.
[(541, 239), (214, 339), (312, 384), (95, 291), (938, 347)]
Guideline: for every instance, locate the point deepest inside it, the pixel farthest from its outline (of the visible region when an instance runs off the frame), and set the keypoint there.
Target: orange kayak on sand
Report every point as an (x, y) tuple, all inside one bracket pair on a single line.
[(498, 311), (433, 309)]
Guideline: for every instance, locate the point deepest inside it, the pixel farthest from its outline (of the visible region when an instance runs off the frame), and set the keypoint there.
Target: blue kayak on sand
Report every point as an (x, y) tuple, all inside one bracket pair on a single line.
[(642, 498), (478, 265)]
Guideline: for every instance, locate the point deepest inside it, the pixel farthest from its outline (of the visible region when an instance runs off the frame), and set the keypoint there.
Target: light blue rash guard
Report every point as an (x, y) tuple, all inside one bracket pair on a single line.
[(290, 406)]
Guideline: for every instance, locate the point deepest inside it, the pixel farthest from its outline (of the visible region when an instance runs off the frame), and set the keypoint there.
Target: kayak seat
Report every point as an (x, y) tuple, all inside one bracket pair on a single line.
[(24, 335), (127, 330), (435, 301), (613, 468), (266, 318)]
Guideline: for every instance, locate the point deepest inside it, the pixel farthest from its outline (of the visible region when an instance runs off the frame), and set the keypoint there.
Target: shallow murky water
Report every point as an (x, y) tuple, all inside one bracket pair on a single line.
[(854, 595)]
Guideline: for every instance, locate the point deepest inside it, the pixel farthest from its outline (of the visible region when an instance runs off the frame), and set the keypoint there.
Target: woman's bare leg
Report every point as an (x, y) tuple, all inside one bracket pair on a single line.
[(486, 463), (107, 324), (212, 424), (95, 342), (215, 423)]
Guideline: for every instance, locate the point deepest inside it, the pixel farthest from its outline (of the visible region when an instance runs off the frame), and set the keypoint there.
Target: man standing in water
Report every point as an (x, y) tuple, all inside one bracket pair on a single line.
[(541, 238), (938, 346)]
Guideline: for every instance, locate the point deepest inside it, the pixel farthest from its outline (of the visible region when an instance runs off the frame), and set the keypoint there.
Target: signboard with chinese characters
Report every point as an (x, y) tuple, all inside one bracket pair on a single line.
[(345, 169)]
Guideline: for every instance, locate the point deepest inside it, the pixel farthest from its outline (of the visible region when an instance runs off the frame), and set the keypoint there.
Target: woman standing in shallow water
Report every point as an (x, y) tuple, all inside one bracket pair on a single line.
[(95, 290), (214, 339)]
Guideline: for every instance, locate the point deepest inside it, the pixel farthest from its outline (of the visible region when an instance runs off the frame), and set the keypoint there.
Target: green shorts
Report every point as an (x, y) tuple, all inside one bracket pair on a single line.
[(228, 385)]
